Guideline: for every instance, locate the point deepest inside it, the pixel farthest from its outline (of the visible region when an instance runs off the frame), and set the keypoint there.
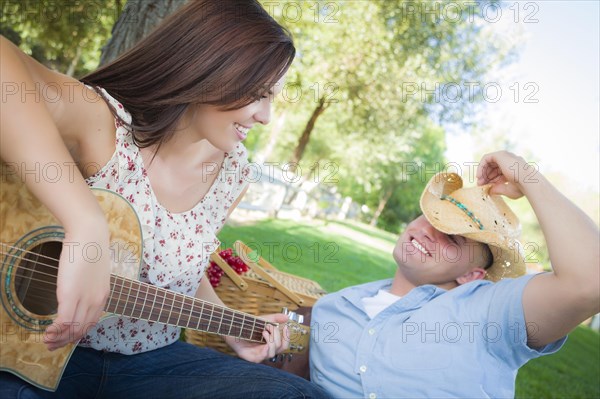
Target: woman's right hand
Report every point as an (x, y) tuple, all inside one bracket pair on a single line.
[(82, 285)]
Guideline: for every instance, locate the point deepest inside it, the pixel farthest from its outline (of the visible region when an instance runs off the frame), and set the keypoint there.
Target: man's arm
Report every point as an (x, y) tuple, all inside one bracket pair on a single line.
[(553, 303)]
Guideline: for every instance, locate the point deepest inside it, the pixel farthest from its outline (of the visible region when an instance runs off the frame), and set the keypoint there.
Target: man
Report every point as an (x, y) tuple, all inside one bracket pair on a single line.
[(458, 319)]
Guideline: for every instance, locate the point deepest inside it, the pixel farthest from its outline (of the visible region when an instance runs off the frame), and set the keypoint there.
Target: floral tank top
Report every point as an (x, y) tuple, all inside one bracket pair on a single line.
[(176, 246)]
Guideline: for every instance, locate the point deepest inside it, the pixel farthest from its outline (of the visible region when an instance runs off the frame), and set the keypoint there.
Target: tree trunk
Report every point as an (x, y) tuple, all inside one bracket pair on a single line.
[(119, 6), (382, 203), (138, 19), (313, 172), (304, 139)]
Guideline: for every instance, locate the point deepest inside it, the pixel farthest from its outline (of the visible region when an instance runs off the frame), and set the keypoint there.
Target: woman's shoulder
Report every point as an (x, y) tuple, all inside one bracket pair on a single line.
[(35, 81), (78, 112), (64, 96), (14, 60)]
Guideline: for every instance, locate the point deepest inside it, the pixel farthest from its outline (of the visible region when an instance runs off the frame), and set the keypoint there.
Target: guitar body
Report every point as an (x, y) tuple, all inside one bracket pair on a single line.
[(30, 236), (31, 241)]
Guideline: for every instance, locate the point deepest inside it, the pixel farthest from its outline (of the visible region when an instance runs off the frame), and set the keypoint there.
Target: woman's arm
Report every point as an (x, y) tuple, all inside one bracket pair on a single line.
[(30, 141), (553, 303)]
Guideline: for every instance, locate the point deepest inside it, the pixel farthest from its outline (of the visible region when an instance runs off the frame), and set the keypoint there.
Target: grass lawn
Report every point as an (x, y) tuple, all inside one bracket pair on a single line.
[(337, 255), (572, 372), (314, 251)]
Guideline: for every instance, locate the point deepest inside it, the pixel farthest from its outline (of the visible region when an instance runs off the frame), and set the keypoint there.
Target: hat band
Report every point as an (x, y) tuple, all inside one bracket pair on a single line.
[(463, 208)]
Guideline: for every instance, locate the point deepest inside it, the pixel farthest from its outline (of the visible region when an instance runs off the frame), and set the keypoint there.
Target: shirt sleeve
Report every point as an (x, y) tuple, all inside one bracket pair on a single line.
[(505, 327)]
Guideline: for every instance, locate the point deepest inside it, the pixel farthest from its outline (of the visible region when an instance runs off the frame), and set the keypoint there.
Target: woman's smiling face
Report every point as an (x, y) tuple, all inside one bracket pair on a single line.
[(225, 129)]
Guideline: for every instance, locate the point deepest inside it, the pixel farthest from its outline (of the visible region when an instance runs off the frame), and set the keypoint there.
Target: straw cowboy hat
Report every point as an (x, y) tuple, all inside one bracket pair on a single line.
[(473, 213)]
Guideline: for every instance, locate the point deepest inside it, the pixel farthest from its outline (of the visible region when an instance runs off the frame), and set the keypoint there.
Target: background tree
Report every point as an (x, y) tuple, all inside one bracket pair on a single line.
[(68, 36), (367, 96), (62, 34), (137, 20), (372, 79)]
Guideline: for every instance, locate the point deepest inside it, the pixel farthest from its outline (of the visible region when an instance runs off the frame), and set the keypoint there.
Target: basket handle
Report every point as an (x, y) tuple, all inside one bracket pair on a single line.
[(246, 250), (242, 285), (243, 251)]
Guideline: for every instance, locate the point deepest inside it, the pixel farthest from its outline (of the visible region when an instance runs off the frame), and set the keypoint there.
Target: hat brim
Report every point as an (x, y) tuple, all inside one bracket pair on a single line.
[(491, 221)]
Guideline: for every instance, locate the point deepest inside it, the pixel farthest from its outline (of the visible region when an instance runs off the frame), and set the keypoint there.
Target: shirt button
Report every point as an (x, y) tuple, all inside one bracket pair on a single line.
[(363, 369), (371, 331), (372, 395)]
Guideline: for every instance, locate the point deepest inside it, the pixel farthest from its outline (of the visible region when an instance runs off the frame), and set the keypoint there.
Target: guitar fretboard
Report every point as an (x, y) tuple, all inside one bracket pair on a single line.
[(147, 302)]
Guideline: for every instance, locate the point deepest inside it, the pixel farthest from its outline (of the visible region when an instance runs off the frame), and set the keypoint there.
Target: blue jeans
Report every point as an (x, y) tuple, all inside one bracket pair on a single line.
[(179, 370)]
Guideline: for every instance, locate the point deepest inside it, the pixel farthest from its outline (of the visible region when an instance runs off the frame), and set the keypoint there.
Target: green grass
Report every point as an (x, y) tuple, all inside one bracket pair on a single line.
[(366, 229), (309, 250), (346, 257), (572, 372)]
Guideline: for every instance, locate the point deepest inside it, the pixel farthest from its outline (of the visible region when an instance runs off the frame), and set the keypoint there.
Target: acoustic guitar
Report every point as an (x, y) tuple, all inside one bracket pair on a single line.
[(31, 241)]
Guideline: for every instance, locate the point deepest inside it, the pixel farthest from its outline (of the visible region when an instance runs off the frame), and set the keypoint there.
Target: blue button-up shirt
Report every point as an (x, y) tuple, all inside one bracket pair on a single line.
[(467, 342)]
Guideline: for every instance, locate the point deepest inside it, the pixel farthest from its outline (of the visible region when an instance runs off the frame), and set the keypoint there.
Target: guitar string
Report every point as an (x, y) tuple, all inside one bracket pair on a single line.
[(56, 267), (236, 315), (237, 318), (26, 251), (37, 257), (159, 289), (231, 318)]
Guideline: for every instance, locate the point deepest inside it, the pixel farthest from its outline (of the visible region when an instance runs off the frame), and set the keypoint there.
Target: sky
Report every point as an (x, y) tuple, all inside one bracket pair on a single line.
[(559, 68)]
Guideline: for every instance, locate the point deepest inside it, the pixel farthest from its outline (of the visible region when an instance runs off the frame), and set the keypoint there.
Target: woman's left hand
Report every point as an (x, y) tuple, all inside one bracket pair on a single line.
[(276, 340)]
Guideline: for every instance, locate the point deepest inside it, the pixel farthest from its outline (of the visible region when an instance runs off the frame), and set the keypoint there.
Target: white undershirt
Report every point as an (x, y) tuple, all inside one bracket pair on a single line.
[(376, 303)]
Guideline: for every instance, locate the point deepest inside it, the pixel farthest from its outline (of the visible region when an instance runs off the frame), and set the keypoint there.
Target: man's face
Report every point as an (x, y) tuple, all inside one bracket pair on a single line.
[(427, 256)]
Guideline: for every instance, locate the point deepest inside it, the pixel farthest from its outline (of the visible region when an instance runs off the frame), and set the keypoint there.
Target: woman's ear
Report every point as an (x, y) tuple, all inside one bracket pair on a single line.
[(476, 274)]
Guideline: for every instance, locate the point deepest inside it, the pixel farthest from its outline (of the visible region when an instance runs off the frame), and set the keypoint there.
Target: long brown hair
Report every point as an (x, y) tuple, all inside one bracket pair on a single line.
[(223, 53)]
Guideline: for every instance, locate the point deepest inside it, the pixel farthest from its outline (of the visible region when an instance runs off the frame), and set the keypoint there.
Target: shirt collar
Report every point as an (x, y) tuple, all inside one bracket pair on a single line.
[(415, 298)]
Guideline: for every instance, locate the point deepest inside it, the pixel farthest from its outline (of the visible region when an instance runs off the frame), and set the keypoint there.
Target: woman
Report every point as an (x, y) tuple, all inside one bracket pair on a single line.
[(181, 101)]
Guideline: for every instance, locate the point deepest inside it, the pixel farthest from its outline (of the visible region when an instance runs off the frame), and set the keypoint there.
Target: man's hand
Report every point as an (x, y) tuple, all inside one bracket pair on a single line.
[(506, 172), (556, 302)]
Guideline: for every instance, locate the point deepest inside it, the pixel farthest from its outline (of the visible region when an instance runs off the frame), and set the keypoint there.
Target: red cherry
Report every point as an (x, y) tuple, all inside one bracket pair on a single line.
[(226, 253)]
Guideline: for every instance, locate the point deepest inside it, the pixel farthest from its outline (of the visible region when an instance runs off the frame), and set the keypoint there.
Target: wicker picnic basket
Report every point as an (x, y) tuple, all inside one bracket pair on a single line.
[(262, 290)]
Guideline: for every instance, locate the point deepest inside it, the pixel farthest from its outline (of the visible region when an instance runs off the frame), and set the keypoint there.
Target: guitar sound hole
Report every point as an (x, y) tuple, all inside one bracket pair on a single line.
[(35, 279)]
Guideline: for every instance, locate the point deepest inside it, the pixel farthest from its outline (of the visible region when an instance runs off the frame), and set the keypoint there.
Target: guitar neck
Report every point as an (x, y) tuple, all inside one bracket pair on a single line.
[(139, 300)]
